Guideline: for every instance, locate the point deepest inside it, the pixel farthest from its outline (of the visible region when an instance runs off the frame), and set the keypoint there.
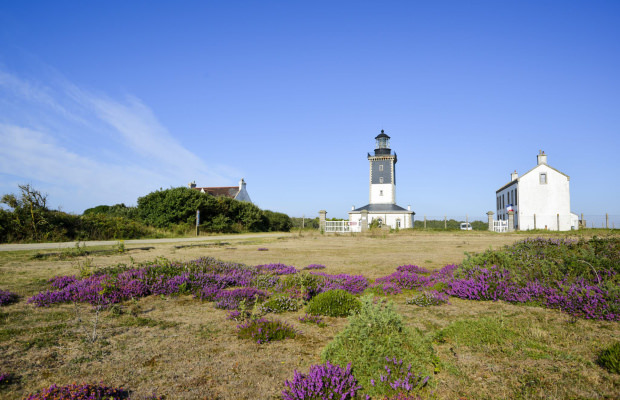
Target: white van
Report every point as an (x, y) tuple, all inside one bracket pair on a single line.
[(465, 226)]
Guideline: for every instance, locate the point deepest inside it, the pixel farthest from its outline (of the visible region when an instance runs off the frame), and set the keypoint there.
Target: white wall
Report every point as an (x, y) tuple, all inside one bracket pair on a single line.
[(388, 196), (545, 200)]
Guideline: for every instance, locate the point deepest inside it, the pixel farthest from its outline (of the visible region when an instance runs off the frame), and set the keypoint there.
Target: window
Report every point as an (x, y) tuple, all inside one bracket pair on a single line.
[(516, 197), (398, 223), (381, 168), (543, 178), (508, 195), (380, 192), (380, 179)]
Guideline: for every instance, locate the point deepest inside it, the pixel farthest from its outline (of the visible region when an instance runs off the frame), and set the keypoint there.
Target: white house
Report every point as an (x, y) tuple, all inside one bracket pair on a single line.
[(234, 192), (540, 199), (382, 192)]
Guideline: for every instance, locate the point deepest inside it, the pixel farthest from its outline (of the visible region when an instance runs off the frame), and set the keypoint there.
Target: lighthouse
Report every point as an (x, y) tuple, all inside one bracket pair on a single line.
[(382, 205)]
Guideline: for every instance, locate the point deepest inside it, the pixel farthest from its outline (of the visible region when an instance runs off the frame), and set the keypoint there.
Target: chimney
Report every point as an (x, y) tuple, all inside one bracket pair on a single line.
[(241, 184), (352, 207), (514, 176), (542, 157), (409, 207), (192, 185)]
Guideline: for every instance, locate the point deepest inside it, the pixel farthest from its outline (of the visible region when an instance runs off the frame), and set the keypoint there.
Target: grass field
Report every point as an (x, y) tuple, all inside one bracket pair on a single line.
[(183, 348)]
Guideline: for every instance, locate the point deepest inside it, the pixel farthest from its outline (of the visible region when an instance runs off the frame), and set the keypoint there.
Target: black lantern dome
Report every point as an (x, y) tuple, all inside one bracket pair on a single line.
[(383, 144)]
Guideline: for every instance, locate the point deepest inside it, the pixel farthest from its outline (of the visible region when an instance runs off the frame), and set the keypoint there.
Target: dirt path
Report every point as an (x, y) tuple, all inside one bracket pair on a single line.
[(91, 243)]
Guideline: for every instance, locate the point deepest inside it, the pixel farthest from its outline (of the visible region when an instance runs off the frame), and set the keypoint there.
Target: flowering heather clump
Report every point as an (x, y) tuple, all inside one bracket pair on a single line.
[(353, 284), (398, 379), (230, 299), (276, 269), (579, 298), (263, 249), (209, 293), (324, 381), (314, 266), (60, 282), (429, 298), (80, 392), (312, 319), (7, 297), (264, 330), (112, 285)]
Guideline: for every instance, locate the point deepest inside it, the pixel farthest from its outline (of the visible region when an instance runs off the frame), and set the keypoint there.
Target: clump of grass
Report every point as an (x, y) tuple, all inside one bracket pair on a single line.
[(334, 303), (476, 333), (610, 358), (377, 331), (264, 330)]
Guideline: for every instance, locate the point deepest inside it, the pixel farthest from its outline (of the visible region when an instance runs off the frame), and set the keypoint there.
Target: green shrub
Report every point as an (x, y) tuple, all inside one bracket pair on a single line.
[(334, 303), (377, 331), (610, 358), (280, 304)]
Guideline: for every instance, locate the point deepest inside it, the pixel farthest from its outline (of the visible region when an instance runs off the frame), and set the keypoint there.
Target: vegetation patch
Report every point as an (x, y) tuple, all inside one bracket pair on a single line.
[(377, 331), (334, 303), (7, 297), (265, 330), (324, 381), (610, 358)]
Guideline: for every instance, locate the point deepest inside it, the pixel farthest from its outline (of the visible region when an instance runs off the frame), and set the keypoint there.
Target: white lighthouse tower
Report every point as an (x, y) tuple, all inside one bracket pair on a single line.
[(382, 192)]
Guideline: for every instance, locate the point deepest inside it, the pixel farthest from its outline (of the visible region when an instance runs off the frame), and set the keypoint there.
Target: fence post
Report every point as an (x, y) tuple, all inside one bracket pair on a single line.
[(534, 221), (425, 222), (364, 227), (445, 222), (558, 221), (322, 218), (466, 218), (584, 225), (511, 221), (490, 214), (606, 220)]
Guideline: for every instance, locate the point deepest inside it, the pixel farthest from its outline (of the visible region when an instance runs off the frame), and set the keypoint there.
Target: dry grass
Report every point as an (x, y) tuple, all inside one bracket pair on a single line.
[(185, 349)]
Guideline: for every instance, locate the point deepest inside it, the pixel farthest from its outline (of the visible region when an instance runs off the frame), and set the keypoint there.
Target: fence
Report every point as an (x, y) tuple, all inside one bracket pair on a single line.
[(451, 222), (500, 226), (605, 221), (337, 226)]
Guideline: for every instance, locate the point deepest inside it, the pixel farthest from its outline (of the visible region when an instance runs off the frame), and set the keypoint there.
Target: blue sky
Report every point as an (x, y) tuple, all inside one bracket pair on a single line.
[(103, 102)]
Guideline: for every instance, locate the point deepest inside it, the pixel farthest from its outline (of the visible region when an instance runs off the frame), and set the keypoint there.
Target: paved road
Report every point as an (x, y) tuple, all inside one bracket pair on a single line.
[(64, 245)]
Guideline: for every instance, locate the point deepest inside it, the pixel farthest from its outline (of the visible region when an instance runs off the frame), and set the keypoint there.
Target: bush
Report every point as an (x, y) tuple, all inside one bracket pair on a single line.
[(373, 334), (324, 381), (610, 358), (264, 330), (280, 304), (334, 303)]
